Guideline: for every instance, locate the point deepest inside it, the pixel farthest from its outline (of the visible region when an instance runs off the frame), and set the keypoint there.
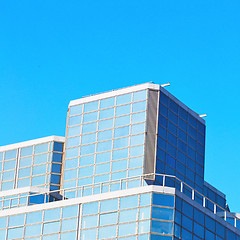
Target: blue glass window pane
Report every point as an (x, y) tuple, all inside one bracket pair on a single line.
[(85, 171), (163, 200), (123, 99), (144, 213), (144, 227), (90, 208), (136, 140), (9, 165), (3, 222), (163, 121), (69, 224), (162, 227), (107, 232), (104, 146), (127, 229), (135, 162), (67, 235), (55, 179), (108, 102), (198, 230), (121, 121), (57, 146), (121, 142), (192, 121), (34, 217), (187, 209), (86, 160), (103, 157), (90, 106), (107, 113), (106, 124), (139, 117), (76, 120), (182, 113), (123, 110), (201, 127), (51, 227), (172, 128), (57, 157), (41, 148), (109, 205), (102, 168), (87, 149), (105, 135), (182, 124), (128, 215), (69, 212), (138, 128), (70, 153), (90, 127), (40, 169), (160, 237), (16, 220), (209, 223), (129, 202), (71, 163), (73, 131), (89, 138), (26, 151), (173, 117), (10, 154), (89, 234), (145, 199), (119, 154), (72, 142), (136, 151), (90, 117), (33, 230), (52, 214), (173, 106), (163, 110), (74, 110), (121, 132), (210, 236), (90, 221), (15, 233), (108, 219), (119, 165), (187, 222), (139, 106), (141, 95), (162, 213)]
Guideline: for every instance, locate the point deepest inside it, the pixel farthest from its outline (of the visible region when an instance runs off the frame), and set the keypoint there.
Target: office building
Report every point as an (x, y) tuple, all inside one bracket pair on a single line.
[(131, 167)]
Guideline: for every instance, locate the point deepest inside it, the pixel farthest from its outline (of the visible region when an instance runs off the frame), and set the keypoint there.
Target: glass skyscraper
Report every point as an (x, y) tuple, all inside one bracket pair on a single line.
[(131, 167)]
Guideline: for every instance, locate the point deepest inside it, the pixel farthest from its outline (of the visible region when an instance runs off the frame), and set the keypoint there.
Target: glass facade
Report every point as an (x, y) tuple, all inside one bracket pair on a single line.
[(131, 167), (35, 165), (105, 140)]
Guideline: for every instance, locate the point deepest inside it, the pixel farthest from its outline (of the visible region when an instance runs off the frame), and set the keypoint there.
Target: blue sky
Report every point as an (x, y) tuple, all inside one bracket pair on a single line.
[(52, 52)]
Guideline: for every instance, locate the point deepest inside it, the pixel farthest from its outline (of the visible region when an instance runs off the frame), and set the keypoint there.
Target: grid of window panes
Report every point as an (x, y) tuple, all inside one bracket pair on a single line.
[(181, 144), (214, 197), (105, 140), (125, 218), (162, 216), (193, 224), (58, 223), (36, 165)]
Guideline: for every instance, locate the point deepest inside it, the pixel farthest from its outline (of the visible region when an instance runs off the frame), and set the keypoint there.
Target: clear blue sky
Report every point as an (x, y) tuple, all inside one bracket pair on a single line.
[(52, 52)]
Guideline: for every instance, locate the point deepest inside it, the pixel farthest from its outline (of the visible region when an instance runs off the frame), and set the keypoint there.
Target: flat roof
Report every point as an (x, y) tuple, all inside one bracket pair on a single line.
[(130, 89)]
